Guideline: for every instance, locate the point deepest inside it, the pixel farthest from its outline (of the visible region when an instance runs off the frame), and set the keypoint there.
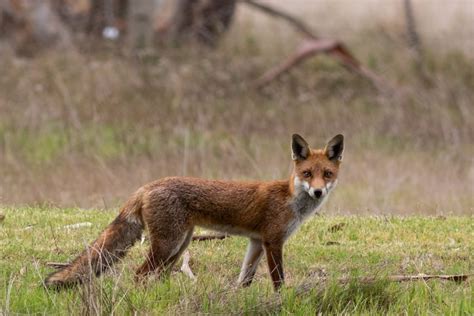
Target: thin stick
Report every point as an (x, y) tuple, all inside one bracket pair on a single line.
[(296, 23), (209, 237), (447, 277), (308, 286), (57, 265)]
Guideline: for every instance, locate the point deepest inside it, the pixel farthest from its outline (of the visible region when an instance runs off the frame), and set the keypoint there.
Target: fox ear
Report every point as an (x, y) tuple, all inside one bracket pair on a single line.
[(335, 147), (299, 148)]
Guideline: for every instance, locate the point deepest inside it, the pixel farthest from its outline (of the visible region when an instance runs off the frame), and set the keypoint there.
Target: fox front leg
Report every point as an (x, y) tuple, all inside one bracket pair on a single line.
[(274, 252), (251, 260)]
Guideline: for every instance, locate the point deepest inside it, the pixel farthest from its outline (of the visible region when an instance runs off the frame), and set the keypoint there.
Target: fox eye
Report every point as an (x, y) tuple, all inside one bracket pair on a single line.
[(328, 174), (307, 173)]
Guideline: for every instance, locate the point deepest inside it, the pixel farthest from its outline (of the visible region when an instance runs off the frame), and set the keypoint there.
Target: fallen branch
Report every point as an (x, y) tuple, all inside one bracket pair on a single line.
[(210, 237), (425, 277), (321, 283), (313, 45), (310, 285), (57, 265), (296, 23)]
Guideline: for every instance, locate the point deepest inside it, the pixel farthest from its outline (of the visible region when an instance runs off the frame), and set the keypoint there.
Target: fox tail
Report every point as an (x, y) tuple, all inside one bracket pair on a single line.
[(111, 245)]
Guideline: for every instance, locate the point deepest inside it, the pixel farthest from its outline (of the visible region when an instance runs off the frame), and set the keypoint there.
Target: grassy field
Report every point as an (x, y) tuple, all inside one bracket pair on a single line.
[(81, 129), (364, 246)]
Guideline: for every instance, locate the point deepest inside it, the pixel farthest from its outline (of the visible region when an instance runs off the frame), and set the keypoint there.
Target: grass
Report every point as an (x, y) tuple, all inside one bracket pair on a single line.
[(364, 246)]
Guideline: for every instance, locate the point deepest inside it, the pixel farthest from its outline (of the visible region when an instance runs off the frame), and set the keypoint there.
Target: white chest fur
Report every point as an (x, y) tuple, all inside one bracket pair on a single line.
[(303, 205)]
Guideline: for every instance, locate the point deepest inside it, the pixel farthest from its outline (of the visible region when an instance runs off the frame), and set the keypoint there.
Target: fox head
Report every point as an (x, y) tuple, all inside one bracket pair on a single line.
[(315, 170)]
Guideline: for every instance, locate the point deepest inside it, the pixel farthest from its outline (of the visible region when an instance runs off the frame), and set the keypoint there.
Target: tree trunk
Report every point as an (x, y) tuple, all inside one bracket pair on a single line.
[(140, 24), (32, 26)]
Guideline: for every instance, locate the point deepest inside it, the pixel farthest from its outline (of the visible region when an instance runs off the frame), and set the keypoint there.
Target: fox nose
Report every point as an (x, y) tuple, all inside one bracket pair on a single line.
[(318, 193)]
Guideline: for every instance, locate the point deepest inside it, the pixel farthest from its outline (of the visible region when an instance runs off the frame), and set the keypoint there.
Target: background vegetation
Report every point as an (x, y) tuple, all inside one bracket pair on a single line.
[(87, 128)]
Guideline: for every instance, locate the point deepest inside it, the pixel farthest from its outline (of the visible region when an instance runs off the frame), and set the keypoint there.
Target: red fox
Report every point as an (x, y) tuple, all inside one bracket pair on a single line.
[(265, 212)]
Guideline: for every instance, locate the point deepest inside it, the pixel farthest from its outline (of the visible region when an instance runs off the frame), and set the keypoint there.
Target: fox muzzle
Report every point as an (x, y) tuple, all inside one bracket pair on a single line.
[(317, 193)]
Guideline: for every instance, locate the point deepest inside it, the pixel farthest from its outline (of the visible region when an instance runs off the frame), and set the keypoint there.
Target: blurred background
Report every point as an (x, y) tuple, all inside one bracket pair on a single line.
[(99, 97)]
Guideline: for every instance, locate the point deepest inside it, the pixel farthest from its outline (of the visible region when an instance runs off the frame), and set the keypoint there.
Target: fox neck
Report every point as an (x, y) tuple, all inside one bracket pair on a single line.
[(302, 204)]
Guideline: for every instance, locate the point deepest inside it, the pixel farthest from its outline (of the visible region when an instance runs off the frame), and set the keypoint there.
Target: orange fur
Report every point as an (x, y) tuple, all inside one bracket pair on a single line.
[(267, 212)]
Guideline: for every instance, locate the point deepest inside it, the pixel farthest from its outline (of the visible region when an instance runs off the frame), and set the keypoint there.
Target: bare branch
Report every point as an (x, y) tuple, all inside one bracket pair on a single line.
[(307, 49), (210, 237), (57, 265), (312, 46), (296, 23), (418, 277)]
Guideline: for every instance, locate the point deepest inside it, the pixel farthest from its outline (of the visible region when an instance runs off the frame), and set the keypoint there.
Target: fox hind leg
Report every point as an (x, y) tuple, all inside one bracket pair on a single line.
[(163, 254), (174, 258)]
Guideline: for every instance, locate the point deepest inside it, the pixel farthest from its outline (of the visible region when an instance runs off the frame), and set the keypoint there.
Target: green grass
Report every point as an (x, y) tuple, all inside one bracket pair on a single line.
[(365, 246)]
